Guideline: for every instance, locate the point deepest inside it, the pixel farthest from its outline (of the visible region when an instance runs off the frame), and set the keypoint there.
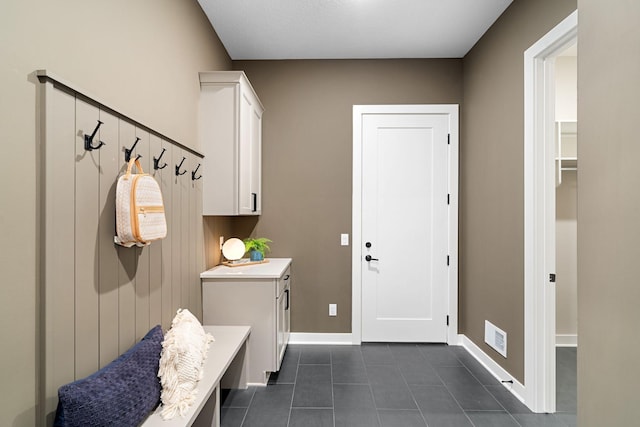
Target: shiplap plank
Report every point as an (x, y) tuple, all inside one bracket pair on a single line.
[(176, 239), (87, 199), (197, 216), (108, 253), (58, 291), (185, 183), (142, 254), (166, 185), (155, 250), (194, 279), (127, 269), (100, 298)]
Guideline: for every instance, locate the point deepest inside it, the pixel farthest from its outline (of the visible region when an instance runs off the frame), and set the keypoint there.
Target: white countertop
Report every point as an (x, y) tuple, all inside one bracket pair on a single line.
[(273, 269)]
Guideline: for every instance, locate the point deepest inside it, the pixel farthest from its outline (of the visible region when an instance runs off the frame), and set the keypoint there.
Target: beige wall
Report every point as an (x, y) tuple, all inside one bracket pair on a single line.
[(141, 57), (566, 199), (566, 88), (566, 255), (307, 164), (608, 212), (491, 176)]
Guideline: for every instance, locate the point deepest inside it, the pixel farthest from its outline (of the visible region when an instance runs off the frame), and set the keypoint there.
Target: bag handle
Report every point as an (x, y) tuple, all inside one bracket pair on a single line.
[(130, 166)]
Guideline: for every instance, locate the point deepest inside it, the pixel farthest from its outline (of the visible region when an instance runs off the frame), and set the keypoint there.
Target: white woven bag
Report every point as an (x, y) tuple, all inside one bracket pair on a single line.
[(139, 208)]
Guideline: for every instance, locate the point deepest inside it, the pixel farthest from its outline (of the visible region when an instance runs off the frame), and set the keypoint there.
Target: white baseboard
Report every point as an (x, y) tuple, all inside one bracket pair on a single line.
[(566, 340), (320, 338), (516, 388)]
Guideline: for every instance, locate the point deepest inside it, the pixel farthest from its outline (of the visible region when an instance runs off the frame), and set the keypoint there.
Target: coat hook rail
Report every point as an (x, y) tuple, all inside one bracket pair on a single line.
[(193, 174), (88, 139), (156, 161), (129, 151), (178, 173)]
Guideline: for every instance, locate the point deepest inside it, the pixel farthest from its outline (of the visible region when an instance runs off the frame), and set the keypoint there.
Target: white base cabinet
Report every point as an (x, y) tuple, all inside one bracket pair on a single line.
[(258, 296)]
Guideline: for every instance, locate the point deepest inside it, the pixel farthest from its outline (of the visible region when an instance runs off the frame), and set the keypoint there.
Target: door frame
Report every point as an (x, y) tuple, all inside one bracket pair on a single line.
[(356, 232), (539, 210)]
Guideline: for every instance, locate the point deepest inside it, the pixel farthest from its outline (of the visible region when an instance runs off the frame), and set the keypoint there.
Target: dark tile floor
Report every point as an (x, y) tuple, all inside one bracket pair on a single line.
[(390, 385)]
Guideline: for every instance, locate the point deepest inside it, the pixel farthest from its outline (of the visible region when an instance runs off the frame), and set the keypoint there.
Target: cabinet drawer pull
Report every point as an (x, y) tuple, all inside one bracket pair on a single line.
[(287, 306), (254, 197), (286, 277)]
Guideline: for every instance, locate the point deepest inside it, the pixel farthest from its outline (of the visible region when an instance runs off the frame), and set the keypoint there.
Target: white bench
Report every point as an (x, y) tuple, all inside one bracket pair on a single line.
[(227, 363)]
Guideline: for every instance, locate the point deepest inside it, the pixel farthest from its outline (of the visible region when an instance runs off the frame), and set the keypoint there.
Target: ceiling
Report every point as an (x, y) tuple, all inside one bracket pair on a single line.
[(341, 29)]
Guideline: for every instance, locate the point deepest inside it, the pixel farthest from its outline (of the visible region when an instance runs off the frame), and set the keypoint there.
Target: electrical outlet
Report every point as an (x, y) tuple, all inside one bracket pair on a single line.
[(333, 309), (344, 239)]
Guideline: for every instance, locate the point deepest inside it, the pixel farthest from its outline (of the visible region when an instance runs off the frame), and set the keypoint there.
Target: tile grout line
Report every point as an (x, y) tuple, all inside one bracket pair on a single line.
[(409, 388), (333, 401), (484, 386), (295, 380), (449, 391)]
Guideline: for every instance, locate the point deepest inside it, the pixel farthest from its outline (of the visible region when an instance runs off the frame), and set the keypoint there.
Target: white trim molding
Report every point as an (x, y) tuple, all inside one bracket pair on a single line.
[(511, 384), (356, 255), (539, 214), (566, 340), (320, 338)]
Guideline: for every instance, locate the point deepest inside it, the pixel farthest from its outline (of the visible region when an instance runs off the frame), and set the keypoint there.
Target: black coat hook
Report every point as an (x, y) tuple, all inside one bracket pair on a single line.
[(178, 173), (128, 151), (156, 162), (193, 174), (88, 139)]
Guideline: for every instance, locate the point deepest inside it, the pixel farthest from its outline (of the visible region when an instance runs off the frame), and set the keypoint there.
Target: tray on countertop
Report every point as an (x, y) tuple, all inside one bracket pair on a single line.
[(244, 263)]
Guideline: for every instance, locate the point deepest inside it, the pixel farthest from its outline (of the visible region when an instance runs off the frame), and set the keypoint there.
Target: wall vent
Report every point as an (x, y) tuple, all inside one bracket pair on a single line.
[(495, 337)]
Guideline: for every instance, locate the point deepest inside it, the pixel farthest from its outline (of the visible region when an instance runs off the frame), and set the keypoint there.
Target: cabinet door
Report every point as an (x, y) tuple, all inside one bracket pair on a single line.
[(245, 196), (281, 327), (256, 161), (287, 320)]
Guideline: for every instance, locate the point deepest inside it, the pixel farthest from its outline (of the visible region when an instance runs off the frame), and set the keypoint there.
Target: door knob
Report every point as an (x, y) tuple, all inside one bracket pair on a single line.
[(369, 258)]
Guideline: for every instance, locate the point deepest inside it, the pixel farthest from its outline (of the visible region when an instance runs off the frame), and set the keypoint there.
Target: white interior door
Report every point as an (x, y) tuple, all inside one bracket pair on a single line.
[(405, 227)]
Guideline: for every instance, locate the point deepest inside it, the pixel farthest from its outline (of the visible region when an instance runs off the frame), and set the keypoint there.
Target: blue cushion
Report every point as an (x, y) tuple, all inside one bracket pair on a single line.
[(122, 393)]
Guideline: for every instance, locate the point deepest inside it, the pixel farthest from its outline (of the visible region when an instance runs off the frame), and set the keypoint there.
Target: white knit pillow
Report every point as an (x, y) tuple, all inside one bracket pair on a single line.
[(184, 350)]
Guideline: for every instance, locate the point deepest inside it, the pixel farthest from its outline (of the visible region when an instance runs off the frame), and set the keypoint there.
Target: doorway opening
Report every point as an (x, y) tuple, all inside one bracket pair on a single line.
[(540, 177)]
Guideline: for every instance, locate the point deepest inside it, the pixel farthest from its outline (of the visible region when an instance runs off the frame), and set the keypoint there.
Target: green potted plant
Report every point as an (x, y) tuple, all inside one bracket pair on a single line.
[(257, 247)]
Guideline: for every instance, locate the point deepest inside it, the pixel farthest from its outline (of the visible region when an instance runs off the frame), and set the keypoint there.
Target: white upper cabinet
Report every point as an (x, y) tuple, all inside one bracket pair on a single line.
[(230, 132)]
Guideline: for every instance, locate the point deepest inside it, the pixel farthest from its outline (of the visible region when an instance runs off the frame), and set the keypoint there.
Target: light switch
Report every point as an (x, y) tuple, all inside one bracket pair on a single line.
[(333, 309), (344, 239)]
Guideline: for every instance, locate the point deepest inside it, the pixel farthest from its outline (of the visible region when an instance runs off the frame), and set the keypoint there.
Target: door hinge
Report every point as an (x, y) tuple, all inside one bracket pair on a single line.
[(449, 138), (447, 259), (448, 199), (447, 320), (552, 278)]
